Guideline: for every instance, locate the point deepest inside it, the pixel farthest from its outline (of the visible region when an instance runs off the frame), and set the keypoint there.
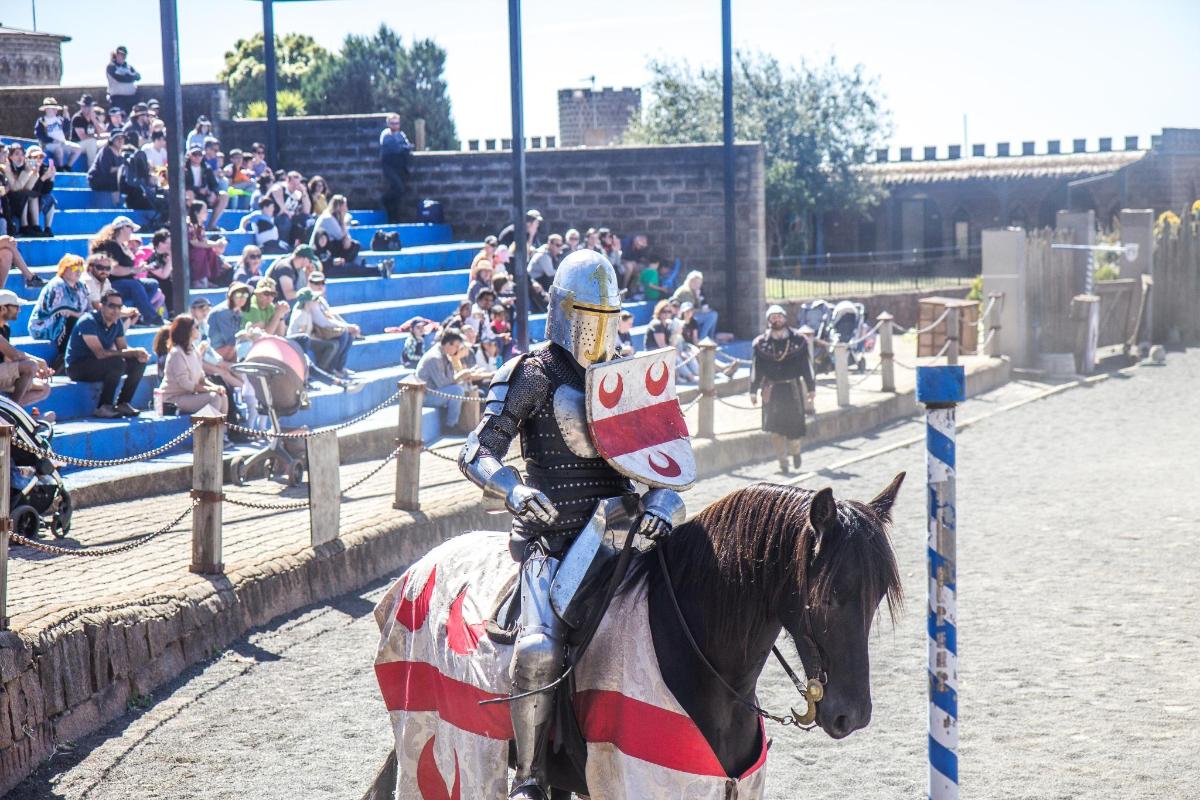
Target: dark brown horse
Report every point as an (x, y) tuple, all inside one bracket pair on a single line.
[(763, 560)]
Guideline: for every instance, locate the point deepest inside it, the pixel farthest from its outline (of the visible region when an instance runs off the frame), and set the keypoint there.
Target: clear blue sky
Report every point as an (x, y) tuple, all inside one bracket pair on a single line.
[(1019, 69)]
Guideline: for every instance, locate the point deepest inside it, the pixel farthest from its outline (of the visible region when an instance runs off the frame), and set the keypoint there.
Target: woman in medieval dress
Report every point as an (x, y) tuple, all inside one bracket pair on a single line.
[(781, 361)]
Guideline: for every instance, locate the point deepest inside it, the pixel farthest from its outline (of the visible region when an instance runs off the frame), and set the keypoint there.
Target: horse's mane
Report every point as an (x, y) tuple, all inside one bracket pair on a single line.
[(744, 554)]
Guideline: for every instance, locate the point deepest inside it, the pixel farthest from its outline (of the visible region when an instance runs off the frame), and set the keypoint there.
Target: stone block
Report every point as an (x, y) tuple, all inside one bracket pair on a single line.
[(77, 668), (77, 722), (97, 635), (137, 645), (118, 651), (160, 633), (113, 701), (158, 671), (50, 675), (35, 701), (6, 731), (15, 656)]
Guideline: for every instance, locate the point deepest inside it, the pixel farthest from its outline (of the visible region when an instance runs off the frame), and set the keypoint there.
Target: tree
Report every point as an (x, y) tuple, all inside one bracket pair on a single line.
[(816, 124), (245, 70), (377, 74)]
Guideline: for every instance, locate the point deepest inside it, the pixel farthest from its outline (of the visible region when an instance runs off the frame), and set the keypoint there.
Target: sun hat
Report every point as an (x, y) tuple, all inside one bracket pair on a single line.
[(265, 286), (317, 277), (9, 298), (125, 222), (201, 302), (49, 102), (305, 251)]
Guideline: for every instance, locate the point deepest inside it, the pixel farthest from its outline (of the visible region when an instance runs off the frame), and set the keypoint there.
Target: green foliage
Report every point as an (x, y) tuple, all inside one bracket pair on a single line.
[(1106, 272), (288, 102), (815, 123), (245, 70), (1167, 222), (976, 292), (1106, 266)]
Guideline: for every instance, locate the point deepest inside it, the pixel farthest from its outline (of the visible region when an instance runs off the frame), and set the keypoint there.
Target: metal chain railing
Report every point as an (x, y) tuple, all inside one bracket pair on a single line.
[(97, 462), (480, 398), (390, 457), (869, 373), (266, 505), (56, 550), (330, 429)]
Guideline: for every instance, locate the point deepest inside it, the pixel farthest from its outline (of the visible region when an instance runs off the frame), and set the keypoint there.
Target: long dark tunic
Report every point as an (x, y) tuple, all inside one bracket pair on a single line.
[(779, 367)]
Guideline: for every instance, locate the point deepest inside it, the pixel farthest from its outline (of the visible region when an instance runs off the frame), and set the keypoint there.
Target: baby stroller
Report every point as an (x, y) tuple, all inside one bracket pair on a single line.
[(816, 315), (847, 322), (278, 371), (38, 496)]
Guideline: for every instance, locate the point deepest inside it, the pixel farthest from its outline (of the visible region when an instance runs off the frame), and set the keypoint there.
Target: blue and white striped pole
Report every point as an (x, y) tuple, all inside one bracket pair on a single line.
[(940, 388)]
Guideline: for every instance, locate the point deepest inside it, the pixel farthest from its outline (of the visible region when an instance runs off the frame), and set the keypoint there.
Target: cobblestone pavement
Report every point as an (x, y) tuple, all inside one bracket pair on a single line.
[(42, 587), (1079, 596)]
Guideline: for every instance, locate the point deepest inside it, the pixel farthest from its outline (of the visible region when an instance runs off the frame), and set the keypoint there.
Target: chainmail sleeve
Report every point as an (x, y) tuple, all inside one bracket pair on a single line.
[(527, 389)]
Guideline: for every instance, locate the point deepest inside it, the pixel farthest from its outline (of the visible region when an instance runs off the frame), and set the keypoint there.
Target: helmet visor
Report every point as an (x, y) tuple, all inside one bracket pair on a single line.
[(595, 329)]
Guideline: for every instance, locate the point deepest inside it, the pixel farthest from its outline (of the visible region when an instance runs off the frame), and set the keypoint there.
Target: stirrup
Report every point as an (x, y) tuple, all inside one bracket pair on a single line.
[(529, 789)]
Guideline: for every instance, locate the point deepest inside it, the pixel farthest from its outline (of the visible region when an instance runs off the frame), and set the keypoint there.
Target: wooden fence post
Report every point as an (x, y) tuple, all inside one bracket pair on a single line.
[(887, 352), (993, 331), (324, 487), (708, 388), (410, 441), (208, 442), (1085, 310), (952, 334), (841, 370), (5, 519)]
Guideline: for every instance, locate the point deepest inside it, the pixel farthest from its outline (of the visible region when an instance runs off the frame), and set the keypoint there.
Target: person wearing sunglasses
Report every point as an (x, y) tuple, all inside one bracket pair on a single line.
[(59, 306), (98, 353)]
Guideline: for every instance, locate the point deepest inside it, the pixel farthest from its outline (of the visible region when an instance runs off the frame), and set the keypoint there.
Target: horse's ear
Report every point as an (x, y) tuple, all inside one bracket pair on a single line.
[(822, 515), (882, 503)]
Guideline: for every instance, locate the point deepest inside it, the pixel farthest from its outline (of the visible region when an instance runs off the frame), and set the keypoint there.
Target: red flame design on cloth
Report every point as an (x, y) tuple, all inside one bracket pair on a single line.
[(430, 782), (462, 636), (655, 386), (610, 399), (670, 470), (412, 613)]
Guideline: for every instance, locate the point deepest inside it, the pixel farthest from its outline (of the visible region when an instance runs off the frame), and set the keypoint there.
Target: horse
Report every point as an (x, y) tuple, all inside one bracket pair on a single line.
[(714, 597)]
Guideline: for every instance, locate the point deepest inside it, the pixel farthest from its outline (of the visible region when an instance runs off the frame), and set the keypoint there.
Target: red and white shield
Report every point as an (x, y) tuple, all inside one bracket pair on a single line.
[(636, 422)]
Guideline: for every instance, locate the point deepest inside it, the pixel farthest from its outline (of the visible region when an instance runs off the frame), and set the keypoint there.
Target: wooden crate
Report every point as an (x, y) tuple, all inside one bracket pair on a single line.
[(930, 308)]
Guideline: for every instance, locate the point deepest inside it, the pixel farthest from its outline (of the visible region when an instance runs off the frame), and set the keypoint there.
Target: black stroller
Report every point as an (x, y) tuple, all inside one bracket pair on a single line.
[(37, 496), (278, 371), (847, 322)]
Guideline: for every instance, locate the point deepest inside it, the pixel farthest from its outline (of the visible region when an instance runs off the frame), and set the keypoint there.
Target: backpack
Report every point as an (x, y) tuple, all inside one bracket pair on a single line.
[(386, 240), (430, 211)]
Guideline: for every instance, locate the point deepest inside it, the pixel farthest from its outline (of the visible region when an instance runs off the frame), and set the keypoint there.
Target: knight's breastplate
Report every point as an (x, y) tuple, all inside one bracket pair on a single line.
[(562, 462)]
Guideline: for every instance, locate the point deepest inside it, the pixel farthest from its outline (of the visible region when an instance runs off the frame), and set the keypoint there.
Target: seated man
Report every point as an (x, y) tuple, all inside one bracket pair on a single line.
[(290, 273), (439, 373), (24, 378), (97, 352), (690, 292), (264, 316)]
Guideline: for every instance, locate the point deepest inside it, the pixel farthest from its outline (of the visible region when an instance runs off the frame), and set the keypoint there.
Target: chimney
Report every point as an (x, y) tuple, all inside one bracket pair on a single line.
[(1026, 148), (1054, 147), (1105, 144), (955, 151), (931, 154), (1131, 143), (906, 154), (1080, 145), (881, 155), (978, 150), (1002, 149)]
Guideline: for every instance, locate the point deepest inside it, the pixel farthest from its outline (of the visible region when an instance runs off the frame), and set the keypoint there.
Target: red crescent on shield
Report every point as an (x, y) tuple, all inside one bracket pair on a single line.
[(655, 386), (672, 468), (610, 399)]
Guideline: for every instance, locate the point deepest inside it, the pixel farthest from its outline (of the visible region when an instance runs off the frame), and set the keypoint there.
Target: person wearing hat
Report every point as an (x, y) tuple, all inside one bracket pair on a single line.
[(291, 273), (51, 132), (485, 255), (200, 179), (265, 316), (138, 131), (200, 131), (320, 331), (533, 219), (781, 363), (225, 321), (23, 377), (122, 79), (41, 204), (83, 130), (102, 177)]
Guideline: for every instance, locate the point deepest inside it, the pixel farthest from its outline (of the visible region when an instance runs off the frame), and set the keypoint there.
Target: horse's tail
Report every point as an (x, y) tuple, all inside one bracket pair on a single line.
[(384, 786)]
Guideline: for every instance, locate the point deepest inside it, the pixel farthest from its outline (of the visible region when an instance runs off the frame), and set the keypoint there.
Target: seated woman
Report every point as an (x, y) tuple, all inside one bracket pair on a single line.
[(249, 266), (60, 304), (115, 241), (336, 248), (204, 254), (184, 384), (261, 223)]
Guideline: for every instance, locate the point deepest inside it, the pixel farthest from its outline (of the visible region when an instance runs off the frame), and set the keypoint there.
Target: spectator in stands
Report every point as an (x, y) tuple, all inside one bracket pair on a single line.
[(51, 132), (533, 219), (625, 334), (184, 383), (10, 256), (653, 280), (214, 159), (635, 256), (139, 129), (414, 342), (60, 304), (122, 80), (485, 255), (4, 212), (294, 207), (21, 176), (225, 322), (97, 352), (592, 240), (258, 165), (262, 224), (265, 315), (241, 179), (154, 261), (687, 366), (333, 226), (571, 241), (249, 266), (545, 261), (101, 126), (480, 279), (156, 150), (204, 254), (318, 192), (116, 120), (41, 204), (481, 312), (291, 273), (113, 241), (658, 334), (610, 246), (394, 153), (487, 358), (320, 330), (500, 259), (201, 181), (460, 315), (136, 179), (102, 177), (438, 372), (217, 368), (154, 107), (23, 377), (200, 133), (691, 292), (83, 130)]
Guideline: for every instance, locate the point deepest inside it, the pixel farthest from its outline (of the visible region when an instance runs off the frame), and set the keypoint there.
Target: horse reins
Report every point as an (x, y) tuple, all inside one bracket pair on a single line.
[(812, 690)]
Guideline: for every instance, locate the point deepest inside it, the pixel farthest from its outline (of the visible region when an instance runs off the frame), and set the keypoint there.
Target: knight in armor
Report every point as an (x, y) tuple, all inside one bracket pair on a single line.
[(783, 372), (540, 397)]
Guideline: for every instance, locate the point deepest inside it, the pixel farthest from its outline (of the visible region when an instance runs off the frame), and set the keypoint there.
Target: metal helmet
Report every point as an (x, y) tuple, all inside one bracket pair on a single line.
[(585, 305)]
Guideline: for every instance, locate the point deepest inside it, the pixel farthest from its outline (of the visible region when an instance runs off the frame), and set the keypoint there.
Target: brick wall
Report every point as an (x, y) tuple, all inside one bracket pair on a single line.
[(19, 104)]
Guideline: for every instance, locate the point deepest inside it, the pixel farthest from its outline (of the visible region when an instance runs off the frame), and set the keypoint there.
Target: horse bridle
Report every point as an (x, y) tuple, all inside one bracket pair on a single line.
[(812, 689)]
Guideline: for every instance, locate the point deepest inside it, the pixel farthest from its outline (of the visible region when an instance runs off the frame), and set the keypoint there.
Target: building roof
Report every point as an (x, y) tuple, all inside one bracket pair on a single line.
[(1065, 165), (4, 29)]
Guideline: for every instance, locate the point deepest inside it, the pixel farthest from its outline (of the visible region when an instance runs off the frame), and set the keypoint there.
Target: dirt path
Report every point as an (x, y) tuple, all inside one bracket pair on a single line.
[(1079, 604)]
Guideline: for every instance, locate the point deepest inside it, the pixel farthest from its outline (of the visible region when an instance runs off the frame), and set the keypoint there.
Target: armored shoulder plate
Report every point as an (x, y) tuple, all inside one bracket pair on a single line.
[(498, 390)]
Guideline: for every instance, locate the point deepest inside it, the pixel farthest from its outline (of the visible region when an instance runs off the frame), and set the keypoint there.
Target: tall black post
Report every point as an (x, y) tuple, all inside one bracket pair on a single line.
[(269, 58), (173, 115), (727, 115), (521, 323)]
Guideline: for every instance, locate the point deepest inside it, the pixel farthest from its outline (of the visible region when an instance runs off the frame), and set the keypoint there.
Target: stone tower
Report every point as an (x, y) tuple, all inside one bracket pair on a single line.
[(30, 58), (596, 118)]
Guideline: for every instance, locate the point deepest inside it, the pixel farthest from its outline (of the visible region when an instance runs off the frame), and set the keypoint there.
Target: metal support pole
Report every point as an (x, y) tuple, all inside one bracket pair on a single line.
[(521, 323), (887, 352), (173, 116), (940, 389), (272, 107), (727, 139), (410, 440), (708, 388), (841, 370), (207, 477), (5, 520), (952, 335)]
